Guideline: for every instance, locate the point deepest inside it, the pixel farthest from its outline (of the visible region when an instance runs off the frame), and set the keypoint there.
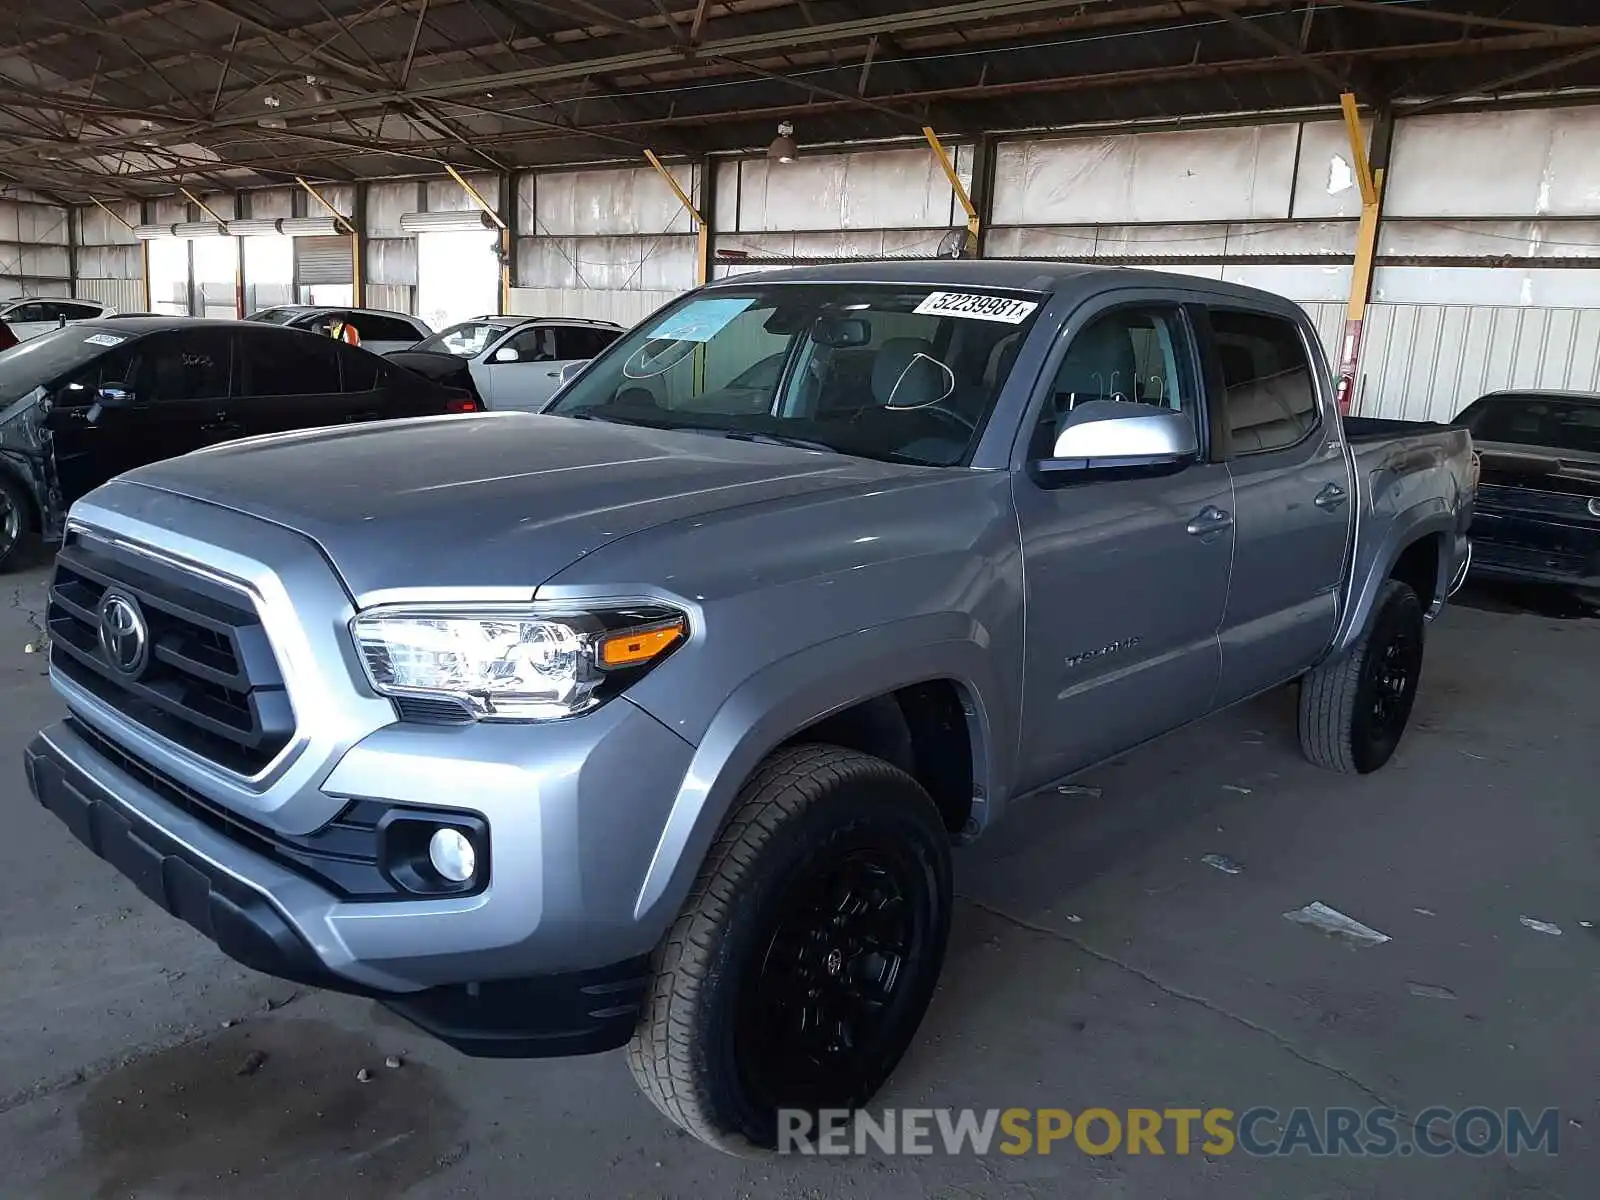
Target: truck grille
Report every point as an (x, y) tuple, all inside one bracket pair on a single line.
[(207, 678)]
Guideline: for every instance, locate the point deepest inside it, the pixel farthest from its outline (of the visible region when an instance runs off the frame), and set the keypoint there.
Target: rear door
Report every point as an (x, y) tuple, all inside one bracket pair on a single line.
[(1126, 575), (1292, 497), (89, 452), (289, 379)]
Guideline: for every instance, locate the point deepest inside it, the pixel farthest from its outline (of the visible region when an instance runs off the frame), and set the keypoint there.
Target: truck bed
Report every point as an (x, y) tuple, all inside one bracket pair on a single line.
[(1379, 429)]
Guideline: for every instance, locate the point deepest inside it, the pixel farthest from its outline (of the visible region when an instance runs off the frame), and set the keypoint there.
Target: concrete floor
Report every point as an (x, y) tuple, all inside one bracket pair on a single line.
[(1096, 961)]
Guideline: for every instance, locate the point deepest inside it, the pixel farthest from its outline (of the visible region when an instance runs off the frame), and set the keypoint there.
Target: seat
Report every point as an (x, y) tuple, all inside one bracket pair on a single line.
[(906, 373)]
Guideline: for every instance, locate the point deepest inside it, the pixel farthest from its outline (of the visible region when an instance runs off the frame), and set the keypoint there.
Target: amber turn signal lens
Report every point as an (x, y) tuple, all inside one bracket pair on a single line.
[(632, 647)]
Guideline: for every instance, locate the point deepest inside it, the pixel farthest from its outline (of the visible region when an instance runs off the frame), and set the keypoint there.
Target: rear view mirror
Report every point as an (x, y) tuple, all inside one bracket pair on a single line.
[(505, 354), (1102, 434), (841, 333)]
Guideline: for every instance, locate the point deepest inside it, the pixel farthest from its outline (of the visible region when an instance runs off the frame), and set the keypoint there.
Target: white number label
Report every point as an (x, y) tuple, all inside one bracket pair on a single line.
[(103, 339), (977, 308)]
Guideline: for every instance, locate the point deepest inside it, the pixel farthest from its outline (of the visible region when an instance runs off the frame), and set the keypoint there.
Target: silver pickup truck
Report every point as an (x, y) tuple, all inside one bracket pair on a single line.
[(650, 720)]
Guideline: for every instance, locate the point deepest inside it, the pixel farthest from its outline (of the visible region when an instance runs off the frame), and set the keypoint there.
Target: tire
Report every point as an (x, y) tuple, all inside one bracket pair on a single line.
[(16, 525), (753, 976), (1354, 708)]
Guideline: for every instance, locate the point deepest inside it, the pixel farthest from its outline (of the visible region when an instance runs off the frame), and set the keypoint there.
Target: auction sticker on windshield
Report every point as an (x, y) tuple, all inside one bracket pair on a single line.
[(103, 339), (977, 308), (699, 320)]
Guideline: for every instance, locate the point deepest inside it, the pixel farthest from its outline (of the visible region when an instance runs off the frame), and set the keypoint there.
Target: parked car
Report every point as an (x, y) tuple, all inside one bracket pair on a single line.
[(29, 318), (87, 402), (659, 712), (1538, 510), (510, 362), (380, 331)]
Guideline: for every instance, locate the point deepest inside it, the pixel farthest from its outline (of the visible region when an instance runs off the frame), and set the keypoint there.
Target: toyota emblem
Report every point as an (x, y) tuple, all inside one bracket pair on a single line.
[(124, 636)]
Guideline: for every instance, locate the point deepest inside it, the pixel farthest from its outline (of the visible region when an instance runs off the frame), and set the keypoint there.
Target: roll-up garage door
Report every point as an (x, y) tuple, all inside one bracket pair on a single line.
[(323, 260)]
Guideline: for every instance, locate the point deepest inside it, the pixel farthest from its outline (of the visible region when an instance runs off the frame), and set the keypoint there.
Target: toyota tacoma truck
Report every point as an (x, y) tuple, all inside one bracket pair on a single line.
[(649, 720)]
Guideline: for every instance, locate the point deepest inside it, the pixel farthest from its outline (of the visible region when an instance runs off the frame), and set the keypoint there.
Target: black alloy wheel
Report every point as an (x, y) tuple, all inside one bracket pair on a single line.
[(814, 1009)]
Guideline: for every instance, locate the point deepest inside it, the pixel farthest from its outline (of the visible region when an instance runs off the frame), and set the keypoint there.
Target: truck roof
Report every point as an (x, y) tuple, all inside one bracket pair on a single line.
[(1021, 274)]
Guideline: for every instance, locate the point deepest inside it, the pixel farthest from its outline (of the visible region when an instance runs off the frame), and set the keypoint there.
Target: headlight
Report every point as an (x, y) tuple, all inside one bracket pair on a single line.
[(514, 663)]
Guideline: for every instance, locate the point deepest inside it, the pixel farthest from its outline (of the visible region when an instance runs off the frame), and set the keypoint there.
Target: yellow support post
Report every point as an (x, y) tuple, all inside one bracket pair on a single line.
[(505, 233), (702, 269), (1370, 182), (960, 189)]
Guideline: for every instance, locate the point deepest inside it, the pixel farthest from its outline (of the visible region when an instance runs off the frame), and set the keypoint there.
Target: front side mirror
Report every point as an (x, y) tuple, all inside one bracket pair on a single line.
[(109, 396), (569, 370), (1119, 433), (505, 354)]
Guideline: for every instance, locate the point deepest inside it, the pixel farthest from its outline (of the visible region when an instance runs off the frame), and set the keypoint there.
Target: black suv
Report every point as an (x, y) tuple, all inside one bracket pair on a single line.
[(81, 404)]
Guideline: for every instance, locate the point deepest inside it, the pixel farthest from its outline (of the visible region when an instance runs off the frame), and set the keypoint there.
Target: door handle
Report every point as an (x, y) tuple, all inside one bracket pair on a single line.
[(1331, 498), (552, 374), (1209, 519)]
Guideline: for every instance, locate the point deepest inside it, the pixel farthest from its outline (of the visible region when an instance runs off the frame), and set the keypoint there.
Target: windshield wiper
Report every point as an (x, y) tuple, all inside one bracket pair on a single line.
[(778, 439), (582, 414)]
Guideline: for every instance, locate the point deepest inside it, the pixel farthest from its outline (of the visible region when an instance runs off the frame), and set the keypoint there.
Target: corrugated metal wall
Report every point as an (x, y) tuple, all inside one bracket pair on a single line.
[(33, 249), (1426, 362)]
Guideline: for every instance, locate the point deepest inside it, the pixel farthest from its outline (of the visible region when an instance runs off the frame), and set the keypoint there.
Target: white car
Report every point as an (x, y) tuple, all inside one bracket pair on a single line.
[(30, 318), (380, 330), (513, 362)]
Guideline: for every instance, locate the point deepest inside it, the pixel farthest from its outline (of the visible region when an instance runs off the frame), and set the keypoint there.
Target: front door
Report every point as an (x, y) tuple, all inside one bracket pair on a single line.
[(181, 394), (523, 370), (87, 452), (1292, 498), (1126, 576)]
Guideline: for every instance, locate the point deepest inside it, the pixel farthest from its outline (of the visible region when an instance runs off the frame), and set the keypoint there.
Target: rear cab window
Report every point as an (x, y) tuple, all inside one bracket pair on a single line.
[(1269, 394)]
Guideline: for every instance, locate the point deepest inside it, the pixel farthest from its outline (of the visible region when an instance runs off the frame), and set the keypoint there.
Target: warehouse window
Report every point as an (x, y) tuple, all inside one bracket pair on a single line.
[(1269, 399)]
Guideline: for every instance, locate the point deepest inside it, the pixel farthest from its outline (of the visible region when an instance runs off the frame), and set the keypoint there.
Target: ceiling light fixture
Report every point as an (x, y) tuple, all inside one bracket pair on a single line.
[(783, 148)]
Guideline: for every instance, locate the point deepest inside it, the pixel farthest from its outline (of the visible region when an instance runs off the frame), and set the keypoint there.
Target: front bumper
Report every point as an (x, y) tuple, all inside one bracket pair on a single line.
[(492, 975)]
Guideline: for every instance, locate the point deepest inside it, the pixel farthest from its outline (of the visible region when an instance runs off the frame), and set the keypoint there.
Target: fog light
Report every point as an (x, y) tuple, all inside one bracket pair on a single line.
[(452, 855)]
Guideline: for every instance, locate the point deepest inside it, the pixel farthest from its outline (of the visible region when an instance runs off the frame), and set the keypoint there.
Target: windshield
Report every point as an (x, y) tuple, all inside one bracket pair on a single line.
[(893, 372), (466, 340), (49, 356), (1552, 422), (275, 316)]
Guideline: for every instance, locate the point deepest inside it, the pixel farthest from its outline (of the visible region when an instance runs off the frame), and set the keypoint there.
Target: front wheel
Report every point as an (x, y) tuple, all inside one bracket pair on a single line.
[(16, 525), (806, 955), (1354, 708)]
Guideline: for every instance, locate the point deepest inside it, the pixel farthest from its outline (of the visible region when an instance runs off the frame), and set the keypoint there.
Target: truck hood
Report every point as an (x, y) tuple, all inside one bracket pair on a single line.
[(492, 500)]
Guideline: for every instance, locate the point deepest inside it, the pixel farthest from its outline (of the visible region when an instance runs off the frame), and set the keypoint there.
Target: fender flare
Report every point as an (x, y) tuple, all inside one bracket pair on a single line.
[(1415, 523), (799, 690)]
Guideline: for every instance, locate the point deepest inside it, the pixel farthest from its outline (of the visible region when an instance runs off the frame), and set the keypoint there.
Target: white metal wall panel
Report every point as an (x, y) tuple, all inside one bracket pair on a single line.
[(623, 201), (867, 189), (1532, 162), (97, 228), (11, 287), (124, 295), (169, 210), (274, 204), (110, 262), (446, 195), (1194, 175), (625, 308), (1325, 179), (1425, 362), (394, 297), (386, 202), (1492, 238), (391, 262), (1085, 242), (1329, 318), (39, 262), (848, 243), (608, 263), (1551, 287)]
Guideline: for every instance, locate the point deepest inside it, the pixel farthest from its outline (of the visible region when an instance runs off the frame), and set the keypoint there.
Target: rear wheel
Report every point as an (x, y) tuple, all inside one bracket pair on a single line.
[(1354, 708), (806, 955)]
